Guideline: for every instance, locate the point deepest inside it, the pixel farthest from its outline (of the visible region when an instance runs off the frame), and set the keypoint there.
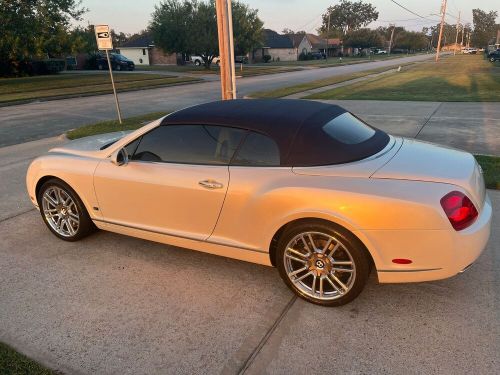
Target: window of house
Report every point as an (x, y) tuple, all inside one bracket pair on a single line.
[(144, 51), (189, 144)]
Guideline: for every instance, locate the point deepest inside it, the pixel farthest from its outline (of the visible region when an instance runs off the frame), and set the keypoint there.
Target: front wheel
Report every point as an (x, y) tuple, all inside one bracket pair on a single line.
[(63, 211), (492, 59), (322, 263), (197, 62)]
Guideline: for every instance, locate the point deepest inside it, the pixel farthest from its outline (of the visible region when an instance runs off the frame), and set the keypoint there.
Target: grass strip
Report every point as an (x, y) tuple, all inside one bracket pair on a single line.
[(129, 123), (15, 363), (461, 78)]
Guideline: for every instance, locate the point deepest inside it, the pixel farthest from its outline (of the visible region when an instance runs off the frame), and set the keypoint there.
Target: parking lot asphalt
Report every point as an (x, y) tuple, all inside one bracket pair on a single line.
[(117, 305)]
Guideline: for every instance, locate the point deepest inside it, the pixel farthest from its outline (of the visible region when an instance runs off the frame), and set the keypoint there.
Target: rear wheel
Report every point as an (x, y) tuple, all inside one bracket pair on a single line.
[(323, 264), (197, 62), (63, 211)]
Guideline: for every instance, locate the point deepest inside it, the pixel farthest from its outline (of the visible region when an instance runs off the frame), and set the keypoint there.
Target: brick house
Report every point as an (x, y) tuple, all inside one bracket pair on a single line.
[(142, 51)]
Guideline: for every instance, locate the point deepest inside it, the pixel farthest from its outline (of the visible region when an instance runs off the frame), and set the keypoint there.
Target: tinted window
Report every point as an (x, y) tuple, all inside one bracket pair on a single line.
[(258, 150), (348, 129), (192, 144)]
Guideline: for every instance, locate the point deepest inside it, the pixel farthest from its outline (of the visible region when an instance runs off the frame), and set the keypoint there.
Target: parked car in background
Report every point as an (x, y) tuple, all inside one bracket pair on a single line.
[(304, 186), (469, 51), (380, 52), (494, 56), (118, 62), (198, 60), (241, 59), (318, 55)]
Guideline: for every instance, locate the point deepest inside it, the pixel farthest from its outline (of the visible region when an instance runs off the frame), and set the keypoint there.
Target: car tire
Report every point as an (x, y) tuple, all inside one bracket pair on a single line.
[(118, 67), (197, 62), (336, 270), (492, 59), (100, 66), (63, 211)]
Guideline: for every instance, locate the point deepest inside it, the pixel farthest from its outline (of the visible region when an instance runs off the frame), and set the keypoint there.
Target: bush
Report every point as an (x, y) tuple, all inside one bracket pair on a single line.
[(49, 66), (266, 58), (91, 62)]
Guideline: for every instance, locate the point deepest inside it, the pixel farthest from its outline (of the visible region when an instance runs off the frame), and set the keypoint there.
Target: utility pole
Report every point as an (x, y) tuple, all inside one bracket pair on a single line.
[(226, 49), (392, 37), (327, 36), (443, 14), (456, 36)]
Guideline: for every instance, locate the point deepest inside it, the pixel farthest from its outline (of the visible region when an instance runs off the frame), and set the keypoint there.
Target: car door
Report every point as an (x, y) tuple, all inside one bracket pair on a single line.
[(174, 183)]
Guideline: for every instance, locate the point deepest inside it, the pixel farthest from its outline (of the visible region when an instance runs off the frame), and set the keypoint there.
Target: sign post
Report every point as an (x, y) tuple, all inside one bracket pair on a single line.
[(104, 42)]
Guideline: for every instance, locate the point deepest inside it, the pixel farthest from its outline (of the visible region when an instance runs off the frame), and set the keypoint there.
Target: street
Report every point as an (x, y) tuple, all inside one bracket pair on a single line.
[(27, 122)]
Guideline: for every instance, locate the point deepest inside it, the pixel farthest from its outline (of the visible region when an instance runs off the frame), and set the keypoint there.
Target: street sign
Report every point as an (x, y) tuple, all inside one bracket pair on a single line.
[(103, 37)]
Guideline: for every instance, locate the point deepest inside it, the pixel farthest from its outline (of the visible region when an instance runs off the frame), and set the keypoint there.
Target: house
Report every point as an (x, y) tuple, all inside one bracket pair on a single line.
[(308, 43), (142, 51), (278, 46)]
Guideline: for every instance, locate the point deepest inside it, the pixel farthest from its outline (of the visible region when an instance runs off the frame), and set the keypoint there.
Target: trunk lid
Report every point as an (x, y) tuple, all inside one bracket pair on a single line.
[(421, 161)]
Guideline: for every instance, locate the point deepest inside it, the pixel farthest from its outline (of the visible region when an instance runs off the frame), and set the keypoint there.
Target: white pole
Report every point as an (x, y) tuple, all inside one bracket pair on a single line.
[(114, 89)]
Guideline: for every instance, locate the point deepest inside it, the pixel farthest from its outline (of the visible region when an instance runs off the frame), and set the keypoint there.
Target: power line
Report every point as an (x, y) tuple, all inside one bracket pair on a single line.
[(408, 10)]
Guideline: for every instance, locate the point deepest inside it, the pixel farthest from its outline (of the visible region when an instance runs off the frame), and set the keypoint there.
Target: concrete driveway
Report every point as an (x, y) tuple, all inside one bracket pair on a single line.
[(117, 305)]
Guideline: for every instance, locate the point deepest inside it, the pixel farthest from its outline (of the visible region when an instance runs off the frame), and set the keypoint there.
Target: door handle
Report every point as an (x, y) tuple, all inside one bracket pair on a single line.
[(210, 184)]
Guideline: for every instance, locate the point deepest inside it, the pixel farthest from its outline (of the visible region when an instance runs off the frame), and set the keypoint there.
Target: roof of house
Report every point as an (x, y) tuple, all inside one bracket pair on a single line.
[(296, 39), (319, 42), (140, 41), (274, 40), (297, 127)]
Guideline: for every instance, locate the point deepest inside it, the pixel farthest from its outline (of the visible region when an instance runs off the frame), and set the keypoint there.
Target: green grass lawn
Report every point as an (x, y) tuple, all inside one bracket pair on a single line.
[(463, 78), (129, 123), (491, 170), (247, 70), (14, 363), (289, 90), (60, 85)]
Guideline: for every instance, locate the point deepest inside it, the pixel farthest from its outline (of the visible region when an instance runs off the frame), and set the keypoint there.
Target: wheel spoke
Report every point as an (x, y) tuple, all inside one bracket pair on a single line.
[(332, 251), (333, 284), (71, 230), (321, 287), (342, 263), (312, 241), (290, 274), (49, 200), (313, 287), (342, 269), (296, 252), (327, 245), (303, 276), (337, 280), (305, 244), (296, 259)]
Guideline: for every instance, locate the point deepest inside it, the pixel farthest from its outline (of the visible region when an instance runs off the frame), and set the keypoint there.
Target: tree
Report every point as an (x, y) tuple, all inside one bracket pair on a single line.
[(363, 38), (410, 40), (287, 31), (485, 27), (191, 27), (34, 29), (348, 16)]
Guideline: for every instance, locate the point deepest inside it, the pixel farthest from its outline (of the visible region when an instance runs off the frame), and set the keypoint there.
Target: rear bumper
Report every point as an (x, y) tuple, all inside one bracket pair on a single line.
[(437, 254)]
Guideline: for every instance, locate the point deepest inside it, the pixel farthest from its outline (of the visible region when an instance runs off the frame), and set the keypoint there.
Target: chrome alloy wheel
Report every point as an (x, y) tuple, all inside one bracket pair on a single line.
[(319, 265), (60, 211)]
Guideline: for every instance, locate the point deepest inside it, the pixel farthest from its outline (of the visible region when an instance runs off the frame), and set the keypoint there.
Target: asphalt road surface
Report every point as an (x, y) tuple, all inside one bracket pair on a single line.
[(22, 123)]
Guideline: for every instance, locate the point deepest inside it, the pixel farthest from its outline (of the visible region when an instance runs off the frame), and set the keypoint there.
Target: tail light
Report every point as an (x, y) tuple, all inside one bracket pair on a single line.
[(459, 209)]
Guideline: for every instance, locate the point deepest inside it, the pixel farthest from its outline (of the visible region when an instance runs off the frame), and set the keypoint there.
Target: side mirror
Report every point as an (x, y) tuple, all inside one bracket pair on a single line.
[(119, 157)]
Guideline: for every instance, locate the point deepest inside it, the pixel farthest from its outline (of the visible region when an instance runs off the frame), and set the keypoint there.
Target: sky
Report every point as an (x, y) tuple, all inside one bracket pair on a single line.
[(132, 16)]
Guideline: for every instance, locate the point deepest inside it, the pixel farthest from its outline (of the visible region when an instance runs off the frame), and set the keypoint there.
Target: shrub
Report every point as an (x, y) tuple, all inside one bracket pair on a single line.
[(266, 58)]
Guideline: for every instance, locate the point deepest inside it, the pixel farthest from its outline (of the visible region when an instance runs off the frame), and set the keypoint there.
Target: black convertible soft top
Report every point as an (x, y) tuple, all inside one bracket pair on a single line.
[(295, 125)]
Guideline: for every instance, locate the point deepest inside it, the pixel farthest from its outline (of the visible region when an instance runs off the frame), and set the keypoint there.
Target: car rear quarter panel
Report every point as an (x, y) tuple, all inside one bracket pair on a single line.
[(260, 201), (76, 171)]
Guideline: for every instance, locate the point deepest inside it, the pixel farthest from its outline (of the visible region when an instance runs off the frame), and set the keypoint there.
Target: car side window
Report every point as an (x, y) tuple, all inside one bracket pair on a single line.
[(257, 150), (189, 144)]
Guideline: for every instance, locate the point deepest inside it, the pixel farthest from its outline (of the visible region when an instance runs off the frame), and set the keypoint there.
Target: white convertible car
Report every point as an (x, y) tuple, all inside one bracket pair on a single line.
[(303, 186)]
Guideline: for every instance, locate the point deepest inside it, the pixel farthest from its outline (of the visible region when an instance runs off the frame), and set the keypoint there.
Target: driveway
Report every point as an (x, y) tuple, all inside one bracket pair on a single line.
[(112, 304), (39, 120)]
